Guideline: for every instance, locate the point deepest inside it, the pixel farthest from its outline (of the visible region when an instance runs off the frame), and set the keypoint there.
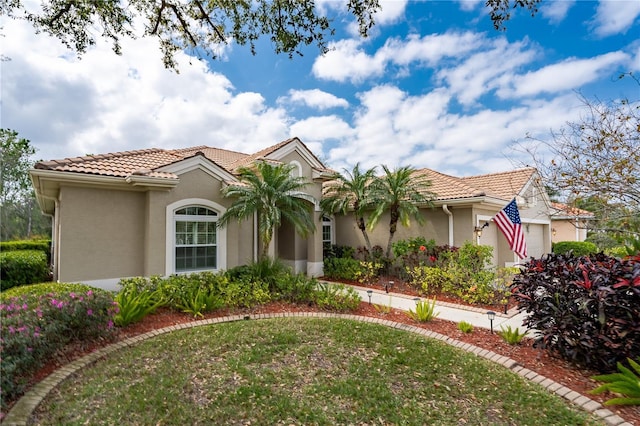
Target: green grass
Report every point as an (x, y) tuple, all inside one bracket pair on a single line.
[(300, 371)]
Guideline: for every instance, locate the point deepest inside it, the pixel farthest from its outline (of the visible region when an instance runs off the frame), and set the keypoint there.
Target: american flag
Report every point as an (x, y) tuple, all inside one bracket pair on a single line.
[(508, 220)]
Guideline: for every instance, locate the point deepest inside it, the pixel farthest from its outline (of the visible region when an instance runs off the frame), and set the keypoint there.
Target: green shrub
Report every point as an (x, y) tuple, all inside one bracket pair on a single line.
[(425, 311), (267, 270), (336, 297), (618, 251), (35, 328), (578, 248), (342, 268), (625, 383), (39, 245), (22, 267), (465, 327), (511, 336), (32, 292), (135, 304), (295, 288), (243, 292), (428, 278), (338, 251), (369, 272)]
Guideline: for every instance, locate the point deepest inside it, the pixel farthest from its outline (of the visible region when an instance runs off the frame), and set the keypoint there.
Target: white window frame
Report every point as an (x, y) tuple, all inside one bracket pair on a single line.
[(171, 218), (328, 221)]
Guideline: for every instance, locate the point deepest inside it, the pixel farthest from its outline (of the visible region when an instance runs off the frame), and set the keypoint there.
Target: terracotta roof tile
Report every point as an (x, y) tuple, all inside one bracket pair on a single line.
[(505, 184), (566, 210), (118, 164), (448, 187), (222, 157)]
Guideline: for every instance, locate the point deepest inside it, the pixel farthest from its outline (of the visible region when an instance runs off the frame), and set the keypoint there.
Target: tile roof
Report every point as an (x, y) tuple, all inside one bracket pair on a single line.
[(505, 184), (566, 210), (448, 187)]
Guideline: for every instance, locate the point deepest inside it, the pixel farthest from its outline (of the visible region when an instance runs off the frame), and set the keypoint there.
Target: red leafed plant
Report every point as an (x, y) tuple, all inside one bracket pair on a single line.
[(585, 309)]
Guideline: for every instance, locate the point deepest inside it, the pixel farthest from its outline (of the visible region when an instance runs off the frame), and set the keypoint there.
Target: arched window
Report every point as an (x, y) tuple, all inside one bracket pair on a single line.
[(196, 239)]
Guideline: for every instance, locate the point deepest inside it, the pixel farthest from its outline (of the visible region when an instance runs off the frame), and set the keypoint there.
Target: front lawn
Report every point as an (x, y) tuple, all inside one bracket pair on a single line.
[(300, 371)]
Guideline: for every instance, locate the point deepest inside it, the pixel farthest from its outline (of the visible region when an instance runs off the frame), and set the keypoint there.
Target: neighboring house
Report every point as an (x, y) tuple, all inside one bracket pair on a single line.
[(569, 223), (153, 212), (463, 205)]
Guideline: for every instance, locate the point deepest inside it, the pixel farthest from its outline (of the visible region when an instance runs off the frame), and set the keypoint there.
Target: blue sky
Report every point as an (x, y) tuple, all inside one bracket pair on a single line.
[(434, 86)]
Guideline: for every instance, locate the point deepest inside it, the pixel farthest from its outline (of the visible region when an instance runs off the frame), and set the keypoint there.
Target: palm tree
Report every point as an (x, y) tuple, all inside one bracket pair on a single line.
[(270, 191), (402, 192), (350, 190)]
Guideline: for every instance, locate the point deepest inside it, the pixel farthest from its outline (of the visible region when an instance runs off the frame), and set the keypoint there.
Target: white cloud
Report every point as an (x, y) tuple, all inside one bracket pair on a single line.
[(615, 17), (469, 5), (105, 103), (315, 98), (487, 69), (567, 75), (555, 11), (348, 60), (321, 128), (390, 11)]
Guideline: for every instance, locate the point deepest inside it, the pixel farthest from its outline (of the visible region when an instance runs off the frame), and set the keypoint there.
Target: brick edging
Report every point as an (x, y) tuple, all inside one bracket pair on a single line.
[(21, 412)]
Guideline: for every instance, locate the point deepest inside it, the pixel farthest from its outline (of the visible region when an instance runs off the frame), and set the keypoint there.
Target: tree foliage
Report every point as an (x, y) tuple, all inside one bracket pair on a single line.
[(270, 191), (201, 27), (595, 162), (351, 191), (401, 192), (20, 216), (197, 26)]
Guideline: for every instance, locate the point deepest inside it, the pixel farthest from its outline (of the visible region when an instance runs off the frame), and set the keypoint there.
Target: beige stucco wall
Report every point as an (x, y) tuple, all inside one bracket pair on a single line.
[(102, 233), (566, 230), (114, 233)]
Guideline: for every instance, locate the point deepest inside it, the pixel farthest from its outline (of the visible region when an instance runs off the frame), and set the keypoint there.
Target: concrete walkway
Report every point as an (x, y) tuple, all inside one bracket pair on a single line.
[(447, 311)]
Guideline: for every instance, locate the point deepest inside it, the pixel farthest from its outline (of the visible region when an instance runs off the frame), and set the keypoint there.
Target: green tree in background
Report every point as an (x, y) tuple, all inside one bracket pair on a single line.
[(19, 213), (271, 192), (202, 27)]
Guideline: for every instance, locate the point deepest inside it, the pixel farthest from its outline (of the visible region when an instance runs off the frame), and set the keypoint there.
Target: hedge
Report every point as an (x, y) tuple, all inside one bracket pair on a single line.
[(578, 248), (23, 267)]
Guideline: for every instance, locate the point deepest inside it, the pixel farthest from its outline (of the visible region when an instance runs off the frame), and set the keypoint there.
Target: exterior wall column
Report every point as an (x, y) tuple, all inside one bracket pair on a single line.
[(314, 248)]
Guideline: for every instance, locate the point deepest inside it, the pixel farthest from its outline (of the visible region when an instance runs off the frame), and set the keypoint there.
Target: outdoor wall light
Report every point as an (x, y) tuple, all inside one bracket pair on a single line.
[(492, 316), (369, 292), (553, 231), (478, 229)]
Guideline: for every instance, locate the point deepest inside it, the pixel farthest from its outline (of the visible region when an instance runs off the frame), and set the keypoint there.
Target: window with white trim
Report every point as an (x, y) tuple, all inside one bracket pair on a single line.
[(327, 232), (196, 239)]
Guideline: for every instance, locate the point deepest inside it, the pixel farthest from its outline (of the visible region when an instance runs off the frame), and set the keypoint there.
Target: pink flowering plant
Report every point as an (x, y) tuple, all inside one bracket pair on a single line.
[(34, 327)]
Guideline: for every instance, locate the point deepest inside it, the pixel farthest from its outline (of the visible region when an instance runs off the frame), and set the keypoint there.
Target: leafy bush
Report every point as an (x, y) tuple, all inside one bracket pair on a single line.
[(32, 292), (584, 308), (369, 272), (425, 311), (465, 327), (243, 292), (578, 248), (295, 289), (626, 383), (511, 336), (135, 304), (338, 251), (267, 270), (22, 267), (342, 268), (39, 245), (336, 297), (34, 329), (428, 278)]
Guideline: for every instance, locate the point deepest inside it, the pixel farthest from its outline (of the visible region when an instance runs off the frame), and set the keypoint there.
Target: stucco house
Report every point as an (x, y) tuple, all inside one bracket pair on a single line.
[(153, 212), (569, 223), (462, 207)]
